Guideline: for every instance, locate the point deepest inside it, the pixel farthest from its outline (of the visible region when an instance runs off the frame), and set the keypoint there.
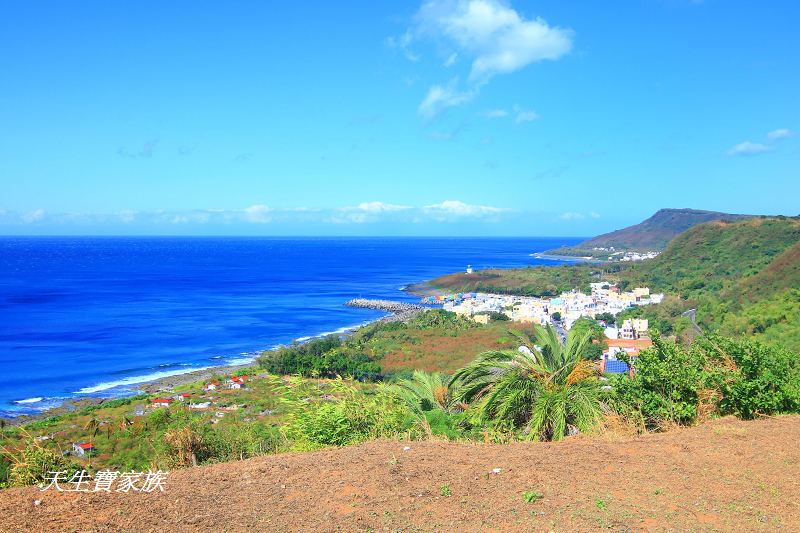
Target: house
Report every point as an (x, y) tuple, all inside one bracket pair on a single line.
[(481, 319), (161, 402), (203, 405), (182, 397), (212, 385), (82, 449), (610, 361), (634, 328), (236, 382), (641, 293)]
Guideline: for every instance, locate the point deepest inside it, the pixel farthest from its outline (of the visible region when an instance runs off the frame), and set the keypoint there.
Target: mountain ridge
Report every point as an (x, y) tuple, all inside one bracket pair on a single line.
[(652, 234)]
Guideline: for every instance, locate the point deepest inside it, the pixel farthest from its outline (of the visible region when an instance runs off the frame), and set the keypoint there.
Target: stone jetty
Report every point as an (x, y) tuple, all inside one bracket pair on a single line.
[(399, 310)]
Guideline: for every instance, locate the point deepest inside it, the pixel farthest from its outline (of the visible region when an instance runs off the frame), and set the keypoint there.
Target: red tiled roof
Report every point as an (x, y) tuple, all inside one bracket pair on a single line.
[(85, 446), (639, 344)]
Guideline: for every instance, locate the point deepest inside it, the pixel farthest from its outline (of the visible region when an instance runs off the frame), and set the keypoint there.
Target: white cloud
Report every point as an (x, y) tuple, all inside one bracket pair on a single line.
[(461, 209), (381, 207), (495, 113), (362, 213), (781, 133), (33, 216), (257, 214), (403, 43), (571, 215), (594, 215), (491, 35), (440, 98), (126, 216), (526, 116), (497, 38), (748, 148)]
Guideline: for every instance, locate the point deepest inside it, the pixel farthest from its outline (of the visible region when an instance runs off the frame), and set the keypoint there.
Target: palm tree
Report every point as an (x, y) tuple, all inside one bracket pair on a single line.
[(93, 426), (427, 392), (544, 388)]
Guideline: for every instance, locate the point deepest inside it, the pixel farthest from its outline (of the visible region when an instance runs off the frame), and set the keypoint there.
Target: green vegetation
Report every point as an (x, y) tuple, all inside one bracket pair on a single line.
[(531, 281), (352, 417), (532, 496), (30, 465), (503, 395), (544, 392), (439, 318), (742, 278), (435, 340), (715, 376), (427, 392), (328, 357), (651, 234)]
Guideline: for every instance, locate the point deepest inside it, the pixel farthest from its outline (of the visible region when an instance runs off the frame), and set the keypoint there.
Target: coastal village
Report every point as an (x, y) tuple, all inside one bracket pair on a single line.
[(563, 311)]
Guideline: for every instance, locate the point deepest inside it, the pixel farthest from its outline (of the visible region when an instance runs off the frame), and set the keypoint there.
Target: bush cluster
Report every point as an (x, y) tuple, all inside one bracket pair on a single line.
[(327, 357), (715, 376), (351, 417)]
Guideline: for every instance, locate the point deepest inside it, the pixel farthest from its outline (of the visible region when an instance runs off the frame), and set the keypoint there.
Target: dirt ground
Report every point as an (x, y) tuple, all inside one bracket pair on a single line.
[(725, 475)]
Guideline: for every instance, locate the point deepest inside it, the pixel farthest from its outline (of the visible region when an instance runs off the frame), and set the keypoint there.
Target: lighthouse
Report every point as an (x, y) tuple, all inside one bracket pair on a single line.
[(469, 269)]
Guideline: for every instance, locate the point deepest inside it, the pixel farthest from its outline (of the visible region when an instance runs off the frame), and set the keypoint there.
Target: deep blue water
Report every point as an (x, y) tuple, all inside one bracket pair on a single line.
[(95, 315)]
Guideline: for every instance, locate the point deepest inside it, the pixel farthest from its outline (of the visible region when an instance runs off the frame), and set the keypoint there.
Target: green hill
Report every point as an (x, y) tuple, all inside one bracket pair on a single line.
[(742, 278), (724, 256), (652, 234)]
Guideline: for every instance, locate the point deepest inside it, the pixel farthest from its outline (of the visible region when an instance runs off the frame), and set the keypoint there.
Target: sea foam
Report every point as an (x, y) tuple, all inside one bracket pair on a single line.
[(135, 380)]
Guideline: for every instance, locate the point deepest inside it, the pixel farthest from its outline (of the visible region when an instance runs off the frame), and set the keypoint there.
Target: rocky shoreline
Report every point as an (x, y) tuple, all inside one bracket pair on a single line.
[(399, 311)]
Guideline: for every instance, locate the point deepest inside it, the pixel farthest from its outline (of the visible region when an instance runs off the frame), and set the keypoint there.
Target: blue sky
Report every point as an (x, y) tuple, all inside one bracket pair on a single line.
[(443, 117)]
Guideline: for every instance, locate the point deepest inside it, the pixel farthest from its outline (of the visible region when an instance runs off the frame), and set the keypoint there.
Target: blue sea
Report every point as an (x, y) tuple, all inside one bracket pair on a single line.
[(95, 316)]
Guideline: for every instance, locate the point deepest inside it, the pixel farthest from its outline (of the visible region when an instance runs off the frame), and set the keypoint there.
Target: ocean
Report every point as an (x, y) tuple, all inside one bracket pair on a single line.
[(94, 316)]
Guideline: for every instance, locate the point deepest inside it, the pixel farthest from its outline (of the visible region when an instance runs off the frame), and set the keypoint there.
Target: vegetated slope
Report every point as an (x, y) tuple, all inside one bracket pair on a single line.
[(651, 234), (713, 256), (742, 277), (780, 274), (682, 480), (532, 281)]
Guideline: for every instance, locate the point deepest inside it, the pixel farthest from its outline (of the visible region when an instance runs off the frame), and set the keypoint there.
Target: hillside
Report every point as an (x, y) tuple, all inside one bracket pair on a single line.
[(718, 255), (652, 234), (742, 277), (533, 281), (682, 480)]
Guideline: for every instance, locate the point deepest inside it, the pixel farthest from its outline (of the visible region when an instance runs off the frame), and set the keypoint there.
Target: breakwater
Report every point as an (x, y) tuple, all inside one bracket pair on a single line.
[(399, 310)]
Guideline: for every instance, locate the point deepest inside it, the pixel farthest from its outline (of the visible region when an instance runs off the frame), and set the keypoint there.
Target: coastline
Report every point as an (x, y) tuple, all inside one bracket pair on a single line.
[(576, 258), (397, 311)]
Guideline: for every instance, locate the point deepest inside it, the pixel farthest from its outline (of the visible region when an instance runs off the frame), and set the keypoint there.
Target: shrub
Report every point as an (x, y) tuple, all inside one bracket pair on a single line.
[(353, 417), (31, 465), (439, 318), (666, 386), (326, 357), (753, 379), (739, 377)]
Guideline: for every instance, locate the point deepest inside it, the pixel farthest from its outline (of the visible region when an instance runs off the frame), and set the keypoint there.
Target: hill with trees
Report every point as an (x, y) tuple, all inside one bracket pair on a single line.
[(742, 277), (652, 234)]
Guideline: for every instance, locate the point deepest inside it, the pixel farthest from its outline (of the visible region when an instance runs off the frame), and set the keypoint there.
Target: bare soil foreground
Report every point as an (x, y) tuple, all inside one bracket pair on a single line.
[(725, 475)]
